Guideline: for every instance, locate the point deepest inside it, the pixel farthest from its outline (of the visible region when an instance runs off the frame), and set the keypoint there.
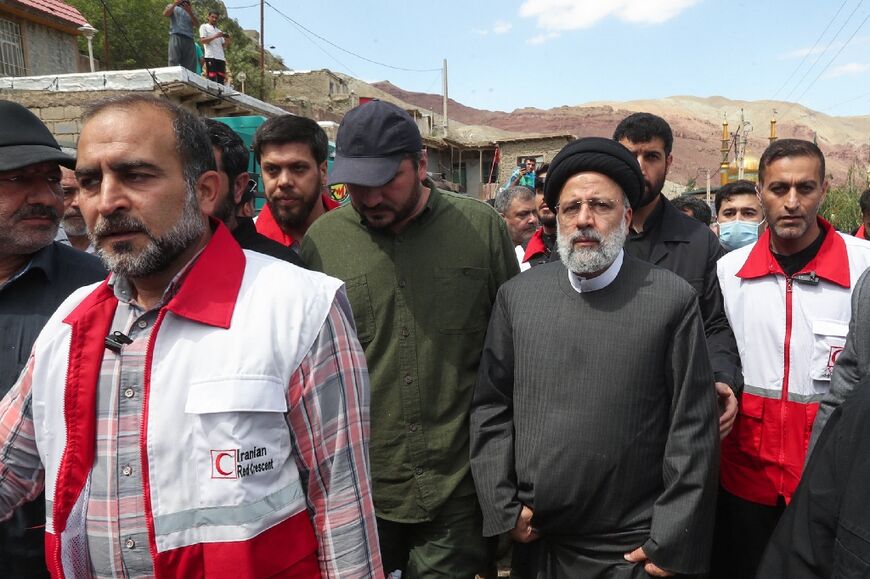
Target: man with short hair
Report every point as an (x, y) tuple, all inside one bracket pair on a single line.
[(516, 205), (664, 236), (36, 275), (524, 175), (182, 22), (72, 222), (788, 299), (738, 214), (597, 469), (231, 161), (166, 447), (694, 208), (542, 244), (214, 42), (292, 153), (422, 268)]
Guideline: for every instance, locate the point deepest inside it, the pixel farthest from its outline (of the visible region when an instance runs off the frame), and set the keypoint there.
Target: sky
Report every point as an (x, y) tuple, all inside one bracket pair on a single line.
[(509, 54)]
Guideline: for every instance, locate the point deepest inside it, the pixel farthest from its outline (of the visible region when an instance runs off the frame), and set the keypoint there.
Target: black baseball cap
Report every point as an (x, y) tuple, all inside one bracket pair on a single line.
[(372, 140), (25, 140)]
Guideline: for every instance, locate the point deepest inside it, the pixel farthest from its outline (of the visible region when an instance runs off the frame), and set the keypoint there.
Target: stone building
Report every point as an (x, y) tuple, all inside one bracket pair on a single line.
[(39, 37)]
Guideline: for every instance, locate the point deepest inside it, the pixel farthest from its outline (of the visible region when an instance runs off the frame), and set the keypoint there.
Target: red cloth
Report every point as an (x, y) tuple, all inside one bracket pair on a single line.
[(536, 246), (266, 224), (861, 234)]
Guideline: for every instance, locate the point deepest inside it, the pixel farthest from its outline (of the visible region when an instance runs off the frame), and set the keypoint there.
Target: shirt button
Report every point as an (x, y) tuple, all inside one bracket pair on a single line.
[(408, 379), (418, 471), (129, 393), (142, 324), (405, 332), (413, 427), (127, 470), (130, 543)]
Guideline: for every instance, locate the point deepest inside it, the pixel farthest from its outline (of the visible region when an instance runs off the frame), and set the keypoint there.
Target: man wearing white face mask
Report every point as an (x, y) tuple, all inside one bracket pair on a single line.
[(738, 214)]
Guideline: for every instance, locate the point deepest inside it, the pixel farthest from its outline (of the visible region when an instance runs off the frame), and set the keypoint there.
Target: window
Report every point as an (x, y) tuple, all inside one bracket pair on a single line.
[(11, 53)]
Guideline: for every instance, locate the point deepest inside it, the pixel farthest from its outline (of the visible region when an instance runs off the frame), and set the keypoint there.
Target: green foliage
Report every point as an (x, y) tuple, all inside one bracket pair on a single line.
[(841, 205), (139, 34), (137, 30)]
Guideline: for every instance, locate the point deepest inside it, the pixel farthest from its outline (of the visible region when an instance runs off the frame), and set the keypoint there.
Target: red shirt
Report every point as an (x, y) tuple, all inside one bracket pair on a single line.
[(266, 224)]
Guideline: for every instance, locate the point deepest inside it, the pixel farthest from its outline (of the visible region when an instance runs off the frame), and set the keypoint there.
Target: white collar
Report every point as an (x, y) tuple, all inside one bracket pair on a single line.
[(591, 284)]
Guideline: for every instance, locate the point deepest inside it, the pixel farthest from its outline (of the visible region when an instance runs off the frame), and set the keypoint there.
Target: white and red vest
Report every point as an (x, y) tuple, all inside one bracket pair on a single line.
[(223, 495), (789, 331)]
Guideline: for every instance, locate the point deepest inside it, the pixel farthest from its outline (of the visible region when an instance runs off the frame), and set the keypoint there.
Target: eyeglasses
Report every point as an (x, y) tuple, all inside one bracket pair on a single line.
[(598, 207)]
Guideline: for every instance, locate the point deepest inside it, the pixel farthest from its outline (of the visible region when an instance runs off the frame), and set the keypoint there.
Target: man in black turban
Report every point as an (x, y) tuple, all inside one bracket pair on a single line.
[(599, 458)]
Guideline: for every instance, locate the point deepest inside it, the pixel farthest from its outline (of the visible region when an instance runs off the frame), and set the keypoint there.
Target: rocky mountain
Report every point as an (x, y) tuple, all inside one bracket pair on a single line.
[(696, 122)]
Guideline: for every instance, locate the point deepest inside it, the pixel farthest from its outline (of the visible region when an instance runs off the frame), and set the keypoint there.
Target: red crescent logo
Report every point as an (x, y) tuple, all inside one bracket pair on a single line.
[(217, 463)]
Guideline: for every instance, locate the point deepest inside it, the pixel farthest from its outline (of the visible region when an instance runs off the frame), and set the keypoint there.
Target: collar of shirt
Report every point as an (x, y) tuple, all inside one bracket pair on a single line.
[(591, 284), (653, 220), (123, 289)]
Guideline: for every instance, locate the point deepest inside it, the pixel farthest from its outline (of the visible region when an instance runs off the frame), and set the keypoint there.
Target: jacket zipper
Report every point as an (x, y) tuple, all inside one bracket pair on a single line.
[(785, 379)]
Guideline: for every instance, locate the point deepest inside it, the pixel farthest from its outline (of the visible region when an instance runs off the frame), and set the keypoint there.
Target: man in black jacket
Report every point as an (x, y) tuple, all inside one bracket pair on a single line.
[(36, 275), (231, 158), (823, 532), (663, 235)]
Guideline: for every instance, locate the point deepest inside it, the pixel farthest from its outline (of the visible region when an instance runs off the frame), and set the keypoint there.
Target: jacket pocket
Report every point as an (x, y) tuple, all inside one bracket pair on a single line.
[(358, 294), (749, 425), (829, 337), (241, 438), (462, 299)]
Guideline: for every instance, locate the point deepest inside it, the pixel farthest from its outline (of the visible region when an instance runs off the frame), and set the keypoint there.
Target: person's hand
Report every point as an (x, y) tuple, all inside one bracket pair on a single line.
[(523, 531), (639, 557), (727, 408)]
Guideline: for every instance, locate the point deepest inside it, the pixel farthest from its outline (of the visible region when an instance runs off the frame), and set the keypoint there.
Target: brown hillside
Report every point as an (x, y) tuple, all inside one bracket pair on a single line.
[(696, 122)]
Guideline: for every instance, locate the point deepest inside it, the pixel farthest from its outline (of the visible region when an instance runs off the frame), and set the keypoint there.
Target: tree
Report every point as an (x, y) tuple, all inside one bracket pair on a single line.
[(137, 31), (841, 206)]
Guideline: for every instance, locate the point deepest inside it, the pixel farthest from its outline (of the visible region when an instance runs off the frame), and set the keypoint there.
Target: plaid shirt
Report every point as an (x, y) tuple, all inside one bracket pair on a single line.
[(327, 417)]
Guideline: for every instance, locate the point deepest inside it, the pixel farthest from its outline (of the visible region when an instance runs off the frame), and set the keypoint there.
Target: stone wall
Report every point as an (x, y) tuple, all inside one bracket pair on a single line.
[(542, 149), (61, 112), (48, 51)]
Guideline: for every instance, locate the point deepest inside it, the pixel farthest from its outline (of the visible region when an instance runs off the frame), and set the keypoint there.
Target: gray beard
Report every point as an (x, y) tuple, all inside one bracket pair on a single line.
[(590, 260), (160, 252)]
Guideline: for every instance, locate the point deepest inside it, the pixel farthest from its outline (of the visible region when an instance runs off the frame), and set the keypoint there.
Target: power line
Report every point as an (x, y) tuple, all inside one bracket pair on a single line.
[(320, 48), (810, 51), (349, 51), (830, 62), (822, 53)]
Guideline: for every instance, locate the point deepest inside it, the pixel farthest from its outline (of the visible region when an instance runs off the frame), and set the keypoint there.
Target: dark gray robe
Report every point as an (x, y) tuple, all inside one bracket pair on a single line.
[(598, 411)]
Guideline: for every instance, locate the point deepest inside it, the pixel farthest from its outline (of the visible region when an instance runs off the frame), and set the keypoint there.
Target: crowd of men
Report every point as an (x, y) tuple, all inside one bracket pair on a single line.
[(377, 390)]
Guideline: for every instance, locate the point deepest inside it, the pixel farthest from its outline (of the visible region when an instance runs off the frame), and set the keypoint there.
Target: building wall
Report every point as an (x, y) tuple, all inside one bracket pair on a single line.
[(48, 51), (541, 148)]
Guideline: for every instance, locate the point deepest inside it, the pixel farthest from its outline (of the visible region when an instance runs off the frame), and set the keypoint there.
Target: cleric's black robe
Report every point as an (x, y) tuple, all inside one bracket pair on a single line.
[(598, 411)]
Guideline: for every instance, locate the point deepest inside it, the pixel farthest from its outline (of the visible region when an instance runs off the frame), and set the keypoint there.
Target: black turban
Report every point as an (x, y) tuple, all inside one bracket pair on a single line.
[(599, 155)]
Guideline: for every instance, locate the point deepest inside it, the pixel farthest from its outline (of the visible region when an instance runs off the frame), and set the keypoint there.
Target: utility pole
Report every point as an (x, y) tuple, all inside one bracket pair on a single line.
[(106, 62), (708, 185), (444, 81), (262, 55)]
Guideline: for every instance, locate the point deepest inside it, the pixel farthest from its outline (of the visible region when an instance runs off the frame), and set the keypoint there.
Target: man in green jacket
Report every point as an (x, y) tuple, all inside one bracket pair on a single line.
[(421, 267)]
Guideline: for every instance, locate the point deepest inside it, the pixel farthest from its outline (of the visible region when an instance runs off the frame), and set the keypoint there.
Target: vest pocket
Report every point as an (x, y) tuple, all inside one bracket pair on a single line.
[(828, 341), (241, 439), (749, 425)]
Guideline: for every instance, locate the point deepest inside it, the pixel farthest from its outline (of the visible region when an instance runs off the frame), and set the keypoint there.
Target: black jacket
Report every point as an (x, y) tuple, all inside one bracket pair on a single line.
[(246, 235), (825, 532), (690, 249)]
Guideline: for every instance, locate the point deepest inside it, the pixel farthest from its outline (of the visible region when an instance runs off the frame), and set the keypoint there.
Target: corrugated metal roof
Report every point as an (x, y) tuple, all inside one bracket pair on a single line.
[(55, 8)]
